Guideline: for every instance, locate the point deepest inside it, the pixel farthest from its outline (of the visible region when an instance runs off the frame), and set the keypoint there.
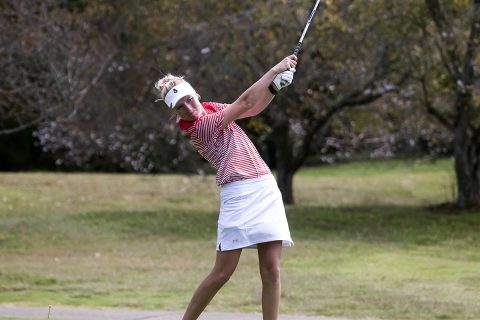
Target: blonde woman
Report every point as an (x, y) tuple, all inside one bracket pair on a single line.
[(252, 214)]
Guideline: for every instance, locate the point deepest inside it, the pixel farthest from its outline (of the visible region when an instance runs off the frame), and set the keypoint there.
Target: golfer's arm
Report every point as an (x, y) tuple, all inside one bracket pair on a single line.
[(249, 99), (260, 106)]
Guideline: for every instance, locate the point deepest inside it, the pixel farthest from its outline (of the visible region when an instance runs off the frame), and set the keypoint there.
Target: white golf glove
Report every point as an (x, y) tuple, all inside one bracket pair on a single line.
[(283, 79)]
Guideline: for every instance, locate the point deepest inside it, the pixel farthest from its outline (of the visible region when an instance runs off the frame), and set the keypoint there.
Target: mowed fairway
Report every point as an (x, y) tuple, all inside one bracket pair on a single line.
[(366, 244)]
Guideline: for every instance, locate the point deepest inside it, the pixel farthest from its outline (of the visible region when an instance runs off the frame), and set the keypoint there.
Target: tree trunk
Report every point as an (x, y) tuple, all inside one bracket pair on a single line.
[(284, 161), (467, 160), (285, 184), (468, 178)]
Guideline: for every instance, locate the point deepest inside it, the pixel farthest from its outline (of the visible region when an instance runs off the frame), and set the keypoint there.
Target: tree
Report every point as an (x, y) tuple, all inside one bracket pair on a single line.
[(349, 59), (50, 62), (80, 76), (448, 87)]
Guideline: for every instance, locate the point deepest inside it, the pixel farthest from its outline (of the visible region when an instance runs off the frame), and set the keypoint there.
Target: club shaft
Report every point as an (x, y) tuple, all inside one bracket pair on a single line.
[(299, 44)]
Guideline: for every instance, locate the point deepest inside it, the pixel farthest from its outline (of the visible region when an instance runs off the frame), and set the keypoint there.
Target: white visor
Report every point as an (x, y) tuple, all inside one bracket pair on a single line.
[(178, 92)]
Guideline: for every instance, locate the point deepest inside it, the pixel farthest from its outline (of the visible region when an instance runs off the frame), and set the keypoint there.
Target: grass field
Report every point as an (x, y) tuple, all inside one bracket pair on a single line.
[(366, 244)]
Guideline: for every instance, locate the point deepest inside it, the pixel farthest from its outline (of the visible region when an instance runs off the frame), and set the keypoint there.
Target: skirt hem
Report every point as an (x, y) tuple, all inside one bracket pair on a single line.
[(253, 245)]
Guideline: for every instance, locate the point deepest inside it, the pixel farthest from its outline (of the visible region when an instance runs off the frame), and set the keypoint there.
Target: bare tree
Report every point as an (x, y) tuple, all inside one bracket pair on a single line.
[(116, 126), (51, 62)]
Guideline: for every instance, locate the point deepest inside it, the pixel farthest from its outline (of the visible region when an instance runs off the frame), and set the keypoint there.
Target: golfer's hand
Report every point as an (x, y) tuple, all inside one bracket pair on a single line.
[(287, 63), (283, 79), (285, 70)]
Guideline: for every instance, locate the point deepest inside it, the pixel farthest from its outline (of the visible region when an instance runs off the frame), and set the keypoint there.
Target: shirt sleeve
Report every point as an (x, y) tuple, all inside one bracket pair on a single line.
[(219, 106), (208, 125)]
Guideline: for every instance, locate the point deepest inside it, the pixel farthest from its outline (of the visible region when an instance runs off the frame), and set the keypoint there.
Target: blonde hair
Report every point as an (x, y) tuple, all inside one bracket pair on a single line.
[(166, 83)]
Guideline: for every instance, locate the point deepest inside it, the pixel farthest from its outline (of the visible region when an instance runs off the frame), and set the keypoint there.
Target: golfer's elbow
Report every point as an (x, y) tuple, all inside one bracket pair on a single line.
[(246, 102)]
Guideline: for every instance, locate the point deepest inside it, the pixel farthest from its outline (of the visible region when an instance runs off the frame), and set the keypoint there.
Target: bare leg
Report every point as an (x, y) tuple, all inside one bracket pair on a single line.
[(225, 265), (269, 254)]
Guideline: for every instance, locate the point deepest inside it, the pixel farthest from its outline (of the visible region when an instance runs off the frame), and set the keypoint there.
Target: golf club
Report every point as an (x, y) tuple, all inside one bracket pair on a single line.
[(299, 43)]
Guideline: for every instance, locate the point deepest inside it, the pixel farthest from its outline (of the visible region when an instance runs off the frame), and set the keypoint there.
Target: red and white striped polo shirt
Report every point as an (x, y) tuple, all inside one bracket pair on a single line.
[(230, 151)]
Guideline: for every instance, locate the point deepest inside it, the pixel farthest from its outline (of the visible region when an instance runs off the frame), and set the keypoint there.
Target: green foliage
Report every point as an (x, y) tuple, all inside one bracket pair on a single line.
[(74, 6)]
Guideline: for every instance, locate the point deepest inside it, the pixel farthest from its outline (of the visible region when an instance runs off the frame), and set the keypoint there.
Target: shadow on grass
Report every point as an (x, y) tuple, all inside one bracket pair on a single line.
[(376, 224), (372, 224), (383, 224)]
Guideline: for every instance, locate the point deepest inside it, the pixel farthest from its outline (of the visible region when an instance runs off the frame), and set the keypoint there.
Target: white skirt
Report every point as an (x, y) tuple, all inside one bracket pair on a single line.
[(251, 212)]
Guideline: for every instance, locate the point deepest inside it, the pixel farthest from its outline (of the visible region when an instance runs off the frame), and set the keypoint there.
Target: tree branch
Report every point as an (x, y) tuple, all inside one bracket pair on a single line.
[(430, 109), (21, 127), (446, 34), (472, 45)]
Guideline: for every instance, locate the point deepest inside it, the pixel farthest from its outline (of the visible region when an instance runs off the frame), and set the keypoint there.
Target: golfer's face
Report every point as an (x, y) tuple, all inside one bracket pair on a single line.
[(189, 108)]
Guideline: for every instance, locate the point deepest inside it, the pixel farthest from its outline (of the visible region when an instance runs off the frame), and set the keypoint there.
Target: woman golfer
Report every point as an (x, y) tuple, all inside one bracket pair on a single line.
[(252, 214)]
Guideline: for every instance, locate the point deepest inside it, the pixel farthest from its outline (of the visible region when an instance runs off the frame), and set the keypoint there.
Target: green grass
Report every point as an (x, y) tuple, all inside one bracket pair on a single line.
[(366, 244)]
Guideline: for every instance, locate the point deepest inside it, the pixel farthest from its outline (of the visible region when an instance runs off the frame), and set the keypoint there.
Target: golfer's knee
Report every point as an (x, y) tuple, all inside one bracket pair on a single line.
[(220, 277), (270, 274)]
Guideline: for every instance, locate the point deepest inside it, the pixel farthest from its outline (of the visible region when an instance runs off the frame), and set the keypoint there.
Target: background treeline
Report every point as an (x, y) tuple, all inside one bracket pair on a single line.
[(376, 79)]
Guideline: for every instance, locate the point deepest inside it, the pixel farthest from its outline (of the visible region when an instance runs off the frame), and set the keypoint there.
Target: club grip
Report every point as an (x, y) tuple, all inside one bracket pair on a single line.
[(297, 49)]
